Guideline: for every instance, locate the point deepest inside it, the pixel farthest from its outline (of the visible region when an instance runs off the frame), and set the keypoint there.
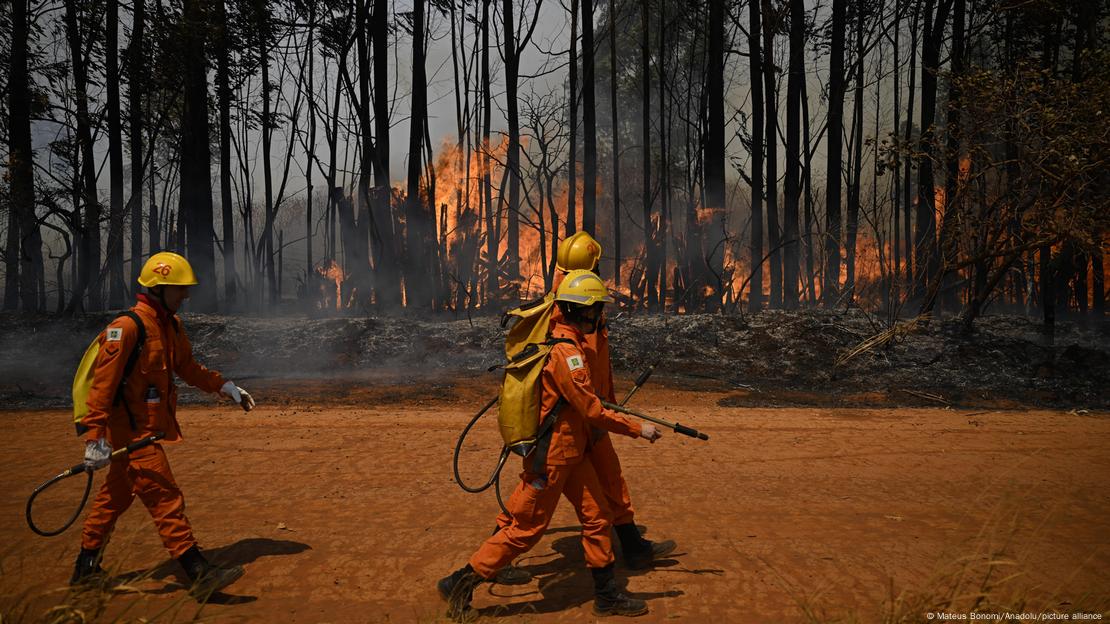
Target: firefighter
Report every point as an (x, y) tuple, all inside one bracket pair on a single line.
[(558, 466), (581, 251), (147, 403)]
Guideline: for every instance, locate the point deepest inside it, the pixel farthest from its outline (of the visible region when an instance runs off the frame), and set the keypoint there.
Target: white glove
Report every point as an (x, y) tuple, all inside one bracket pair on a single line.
[(98, 454), (650, 432), (239, 395)]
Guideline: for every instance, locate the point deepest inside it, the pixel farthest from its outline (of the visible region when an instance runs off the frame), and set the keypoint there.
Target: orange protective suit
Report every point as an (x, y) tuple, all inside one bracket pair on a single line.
[(601, 453), (145, 473), (532, 503)]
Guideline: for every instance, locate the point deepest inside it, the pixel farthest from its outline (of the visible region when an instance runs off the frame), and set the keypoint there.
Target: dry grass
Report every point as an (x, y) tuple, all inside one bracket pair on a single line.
[(993, 577), (120, 597), (898, 331)]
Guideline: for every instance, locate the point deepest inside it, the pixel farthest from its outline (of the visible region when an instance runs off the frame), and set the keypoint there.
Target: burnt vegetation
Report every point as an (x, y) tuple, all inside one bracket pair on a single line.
[(913, 159)]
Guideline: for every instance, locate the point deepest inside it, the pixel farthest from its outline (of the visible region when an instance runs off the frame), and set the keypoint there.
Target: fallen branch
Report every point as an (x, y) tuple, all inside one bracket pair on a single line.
[(926, 395)]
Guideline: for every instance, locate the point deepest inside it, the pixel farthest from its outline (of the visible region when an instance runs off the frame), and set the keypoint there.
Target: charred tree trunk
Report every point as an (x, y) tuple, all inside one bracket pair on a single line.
[(572, 163), (1048, 292), (153, 229), (196, 186), (852, 230), (417, 218), (89, 244), (11, 255), (267, 246), (461, 251), (830, 289), (715, 196), (907, 171), (366, 228), (1098, 281), (807, 194), (115, 158), (927, 254), (664, 159), (512, 158), (492, 282), (792, 184), (223, 100), (645, 128), (755, 67), (311, 147), (895, 193), (952, 190), (21, 161), (136, 73), (388, 286), (589, 122), (616, 143), (771, 124)]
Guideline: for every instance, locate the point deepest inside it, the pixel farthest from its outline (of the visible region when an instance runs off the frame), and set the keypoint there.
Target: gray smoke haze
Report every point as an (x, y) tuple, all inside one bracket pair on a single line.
[(775, 358)]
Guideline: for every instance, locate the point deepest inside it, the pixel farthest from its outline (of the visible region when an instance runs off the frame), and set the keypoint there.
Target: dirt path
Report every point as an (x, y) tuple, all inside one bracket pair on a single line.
[(344, 513)]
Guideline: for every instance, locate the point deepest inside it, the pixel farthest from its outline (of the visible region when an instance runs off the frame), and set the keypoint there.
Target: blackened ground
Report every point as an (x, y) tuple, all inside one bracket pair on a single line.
[(768, 359)]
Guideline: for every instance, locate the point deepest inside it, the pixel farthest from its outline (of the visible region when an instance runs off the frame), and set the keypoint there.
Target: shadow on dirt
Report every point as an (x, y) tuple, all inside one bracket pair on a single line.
[(565, 582), (243, 552)]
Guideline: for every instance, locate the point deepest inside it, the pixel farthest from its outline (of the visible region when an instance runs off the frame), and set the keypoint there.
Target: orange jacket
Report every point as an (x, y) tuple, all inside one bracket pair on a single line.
[(165, 354), (567, 375)]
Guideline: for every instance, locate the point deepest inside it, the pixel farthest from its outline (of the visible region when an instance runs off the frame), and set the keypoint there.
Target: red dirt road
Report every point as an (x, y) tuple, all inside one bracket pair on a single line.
[(349, 513)]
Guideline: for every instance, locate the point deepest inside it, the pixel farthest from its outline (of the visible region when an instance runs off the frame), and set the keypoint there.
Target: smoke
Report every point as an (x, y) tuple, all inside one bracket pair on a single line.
[(38, 356)]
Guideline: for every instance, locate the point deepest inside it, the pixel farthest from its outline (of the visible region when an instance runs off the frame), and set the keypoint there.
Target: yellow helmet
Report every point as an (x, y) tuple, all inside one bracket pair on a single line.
[(583, 287), (166, 268), (578, 251)]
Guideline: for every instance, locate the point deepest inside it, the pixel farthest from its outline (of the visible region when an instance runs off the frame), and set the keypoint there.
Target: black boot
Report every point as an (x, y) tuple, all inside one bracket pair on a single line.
[(639, 552), (458, 590), (512, 575), (207, 578), (87, 569), (608, 600)]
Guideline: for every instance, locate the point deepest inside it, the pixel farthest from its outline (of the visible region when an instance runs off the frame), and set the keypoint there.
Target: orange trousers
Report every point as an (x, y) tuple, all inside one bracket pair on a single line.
[(614, 489), (608, 468), (533, 503), (145, 473)]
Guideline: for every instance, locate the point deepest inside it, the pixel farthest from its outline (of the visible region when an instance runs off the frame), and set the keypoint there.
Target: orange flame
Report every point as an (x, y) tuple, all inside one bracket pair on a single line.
[(331, 270)]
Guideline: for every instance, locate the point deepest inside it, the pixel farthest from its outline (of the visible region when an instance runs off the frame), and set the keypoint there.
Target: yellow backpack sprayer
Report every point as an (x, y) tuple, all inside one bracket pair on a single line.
[(82, 382), (527, 346)]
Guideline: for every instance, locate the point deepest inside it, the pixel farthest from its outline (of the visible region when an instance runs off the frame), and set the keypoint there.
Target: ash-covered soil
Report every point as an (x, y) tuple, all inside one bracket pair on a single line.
[(767, 359)]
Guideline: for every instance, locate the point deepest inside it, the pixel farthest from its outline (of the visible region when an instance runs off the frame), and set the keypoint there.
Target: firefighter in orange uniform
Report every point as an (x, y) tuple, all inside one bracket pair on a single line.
[(581, 251), (122, 411), (557, 467)]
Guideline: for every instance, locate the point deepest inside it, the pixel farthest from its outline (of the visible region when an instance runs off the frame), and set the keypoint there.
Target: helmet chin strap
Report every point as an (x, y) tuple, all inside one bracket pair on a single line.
[(159, 293)]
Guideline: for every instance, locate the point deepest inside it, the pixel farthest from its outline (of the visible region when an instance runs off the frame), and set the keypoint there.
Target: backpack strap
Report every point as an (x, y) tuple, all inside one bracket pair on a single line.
[(132, 358), (543, 439), (543, 436)]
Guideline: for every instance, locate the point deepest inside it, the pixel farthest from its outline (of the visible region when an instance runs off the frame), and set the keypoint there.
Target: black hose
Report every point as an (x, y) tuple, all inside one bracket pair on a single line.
[(79, 469), (495, 476), (497, 491), (76, 512)]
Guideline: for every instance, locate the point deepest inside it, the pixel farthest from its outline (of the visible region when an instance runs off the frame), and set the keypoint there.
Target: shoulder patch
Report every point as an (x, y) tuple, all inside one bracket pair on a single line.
[(115, 334), (574, 362)]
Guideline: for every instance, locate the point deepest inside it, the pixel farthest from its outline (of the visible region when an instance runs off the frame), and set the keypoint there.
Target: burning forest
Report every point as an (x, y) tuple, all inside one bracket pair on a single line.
[(841, 263), (926, 175)]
